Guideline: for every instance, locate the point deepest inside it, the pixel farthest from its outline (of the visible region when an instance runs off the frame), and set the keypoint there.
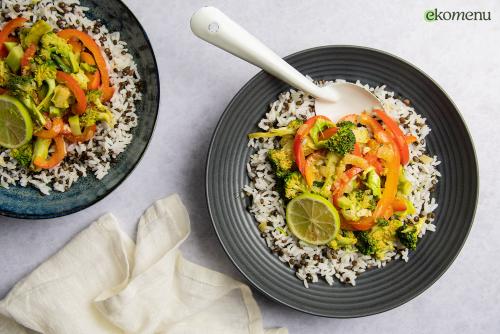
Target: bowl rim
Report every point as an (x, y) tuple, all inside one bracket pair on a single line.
[(415, 293), (136, 163)]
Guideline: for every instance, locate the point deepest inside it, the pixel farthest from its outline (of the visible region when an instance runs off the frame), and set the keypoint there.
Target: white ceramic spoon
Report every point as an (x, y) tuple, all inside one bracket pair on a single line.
[(333, 101)]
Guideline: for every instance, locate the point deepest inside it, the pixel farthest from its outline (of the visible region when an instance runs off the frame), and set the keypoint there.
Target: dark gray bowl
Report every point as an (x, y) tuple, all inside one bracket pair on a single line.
[(377, 290), (27, 202)]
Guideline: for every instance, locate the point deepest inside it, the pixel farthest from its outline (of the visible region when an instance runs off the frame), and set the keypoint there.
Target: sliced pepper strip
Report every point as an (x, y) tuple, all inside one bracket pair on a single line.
[(88, 134), (8, 29), (298, 150), (399, 137), (309, 170), (87, 58), (399, 205), (74, 87), (56, 157), (384, 205), (92, 46), (55, 129), (28, 54), (340, 185), (327, 133), (94, 80), (3, 91)]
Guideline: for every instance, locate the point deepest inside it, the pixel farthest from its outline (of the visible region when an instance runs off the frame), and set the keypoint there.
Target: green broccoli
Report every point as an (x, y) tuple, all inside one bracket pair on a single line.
[(408, 234), (344, 240), (4, 73), (373, 181), (380, 239), (59, 47), (290, 129), (346, 124), (365, 243), (46, 72), (341, 142), (357, 204), (281, 160), (23, 154), (61, 97), (24, 88), (96, 111), (294, 185), (35, 33)]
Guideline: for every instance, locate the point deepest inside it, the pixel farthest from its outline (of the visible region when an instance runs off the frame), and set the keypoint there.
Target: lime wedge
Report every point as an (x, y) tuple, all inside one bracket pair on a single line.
[(312, 219), (16, 127)]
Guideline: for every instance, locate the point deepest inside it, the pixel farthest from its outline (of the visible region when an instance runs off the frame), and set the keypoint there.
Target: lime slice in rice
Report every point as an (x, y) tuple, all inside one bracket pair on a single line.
[(16, 127), (312, 219)]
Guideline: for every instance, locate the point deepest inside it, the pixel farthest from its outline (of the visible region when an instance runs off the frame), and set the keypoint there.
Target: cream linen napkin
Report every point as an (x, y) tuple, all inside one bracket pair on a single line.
[(100, 282)]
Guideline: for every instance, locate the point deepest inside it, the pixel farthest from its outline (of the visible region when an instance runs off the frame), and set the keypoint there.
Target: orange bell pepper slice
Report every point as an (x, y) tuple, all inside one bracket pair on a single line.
[(91, 45), (8, 29), (399, 137), (327, 133), (87, 58), (298, 151), (398, 205), (94, 80), (74, 87), (55, 129), (28, 54), (56, 157), (309, 171), (76, 45), (88, 134)]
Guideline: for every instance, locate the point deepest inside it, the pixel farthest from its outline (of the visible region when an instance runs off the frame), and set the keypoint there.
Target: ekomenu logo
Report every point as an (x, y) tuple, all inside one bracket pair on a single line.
[(433, 15)]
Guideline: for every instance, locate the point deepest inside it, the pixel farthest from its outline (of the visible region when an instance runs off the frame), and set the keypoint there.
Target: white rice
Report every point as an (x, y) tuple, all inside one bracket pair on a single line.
[(97, 155), (267, 206)]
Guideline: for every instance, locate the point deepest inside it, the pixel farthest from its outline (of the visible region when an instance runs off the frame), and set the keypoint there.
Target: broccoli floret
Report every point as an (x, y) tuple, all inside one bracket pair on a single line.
[(357, 204), (23, 154), (408, 234), (58, 46), (346, 124), (24, 88), (96, 111), (344, 240), (45, 71), (281, 160), (4, 73), (365, 243), (342, 141), (81, 78), (294, 185), (61, 97), (379, 240), (33, 35), (290, 129)]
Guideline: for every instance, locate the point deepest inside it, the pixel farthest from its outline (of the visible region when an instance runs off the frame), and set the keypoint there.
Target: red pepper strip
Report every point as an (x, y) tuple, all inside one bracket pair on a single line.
[(8, 29), (374, 161), (327, 133), (94, 80), (74, 87), (398, 205), (388, 194), (410, 139), (3, 91), (298, 151), (55, 129), (75, 45), (399, 137), (378, 132), (87, 135), (28, 54), (56, 157), (357, 150), (344, 225), (339, 186), (87, 58), (309, 171), (90, 44)]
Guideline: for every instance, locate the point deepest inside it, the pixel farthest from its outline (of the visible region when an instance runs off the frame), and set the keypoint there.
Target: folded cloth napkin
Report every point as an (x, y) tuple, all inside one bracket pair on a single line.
[(100, 282)]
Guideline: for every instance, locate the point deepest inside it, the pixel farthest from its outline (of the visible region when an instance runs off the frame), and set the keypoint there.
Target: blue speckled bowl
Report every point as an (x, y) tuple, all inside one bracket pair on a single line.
[(28, 202)]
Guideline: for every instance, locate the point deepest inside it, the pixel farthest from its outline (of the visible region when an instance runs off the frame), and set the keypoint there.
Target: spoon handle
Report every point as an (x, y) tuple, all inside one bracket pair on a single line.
[(213, 26)]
